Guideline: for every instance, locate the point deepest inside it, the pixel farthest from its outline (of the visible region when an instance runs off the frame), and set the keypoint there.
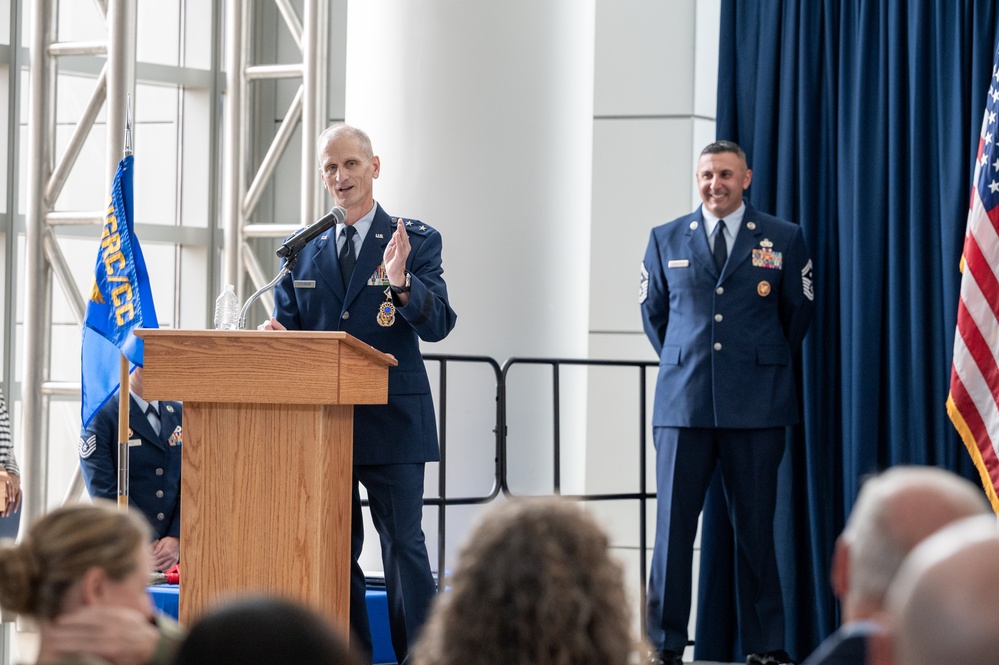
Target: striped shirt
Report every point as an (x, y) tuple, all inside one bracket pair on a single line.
[(7, 459)]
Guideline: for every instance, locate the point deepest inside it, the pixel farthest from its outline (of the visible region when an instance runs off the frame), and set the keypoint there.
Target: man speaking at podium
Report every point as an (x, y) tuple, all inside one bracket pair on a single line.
[(379, 279)]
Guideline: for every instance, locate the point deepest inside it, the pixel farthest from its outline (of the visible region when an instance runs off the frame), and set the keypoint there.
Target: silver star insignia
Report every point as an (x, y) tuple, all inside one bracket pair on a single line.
[(409, 223), (422, 227)]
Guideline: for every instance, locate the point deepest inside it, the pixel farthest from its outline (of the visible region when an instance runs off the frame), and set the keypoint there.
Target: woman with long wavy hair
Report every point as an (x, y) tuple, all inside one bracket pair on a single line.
[(534, 585)]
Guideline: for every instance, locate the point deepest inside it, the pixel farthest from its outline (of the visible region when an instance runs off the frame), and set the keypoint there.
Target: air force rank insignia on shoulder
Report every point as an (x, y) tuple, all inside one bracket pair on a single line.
[(643, 285), (88, 446), (412, 226), (806, 281)]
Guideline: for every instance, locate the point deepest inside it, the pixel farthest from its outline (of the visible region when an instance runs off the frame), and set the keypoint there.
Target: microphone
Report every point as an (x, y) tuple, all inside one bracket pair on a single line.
[(295, 243)]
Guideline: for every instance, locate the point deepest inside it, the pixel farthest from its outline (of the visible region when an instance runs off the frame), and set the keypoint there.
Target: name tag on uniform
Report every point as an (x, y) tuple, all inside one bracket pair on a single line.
[(134, 442), (305, 283), (678, 263)]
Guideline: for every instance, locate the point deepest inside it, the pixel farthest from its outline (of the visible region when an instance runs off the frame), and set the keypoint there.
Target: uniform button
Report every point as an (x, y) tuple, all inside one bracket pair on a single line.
[(720, 290), (159, 494), (159, 472), (160, 516), (346, 315), (717, 346), (719, 317)]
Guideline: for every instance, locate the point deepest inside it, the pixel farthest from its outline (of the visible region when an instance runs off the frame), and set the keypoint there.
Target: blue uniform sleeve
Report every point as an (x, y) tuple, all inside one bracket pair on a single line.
[(428, 310), (797, 296), (653, 295), (98, 456), (285, 305), (174, 529)]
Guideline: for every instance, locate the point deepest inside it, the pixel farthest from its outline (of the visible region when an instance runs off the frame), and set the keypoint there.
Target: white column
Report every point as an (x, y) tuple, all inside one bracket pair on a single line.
[(482, 113)]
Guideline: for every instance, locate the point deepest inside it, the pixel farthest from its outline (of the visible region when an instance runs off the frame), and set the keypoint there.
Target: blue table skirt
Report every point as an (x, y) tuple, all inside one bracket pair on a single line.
[(166, 599)]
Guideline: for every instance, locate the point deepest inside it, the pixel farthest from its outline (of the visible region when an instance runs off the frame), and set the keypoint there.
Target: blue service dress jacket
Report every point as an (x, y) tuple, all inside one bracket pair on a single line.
[(726, 341), (847, 646), (314, 297), (154, 462)]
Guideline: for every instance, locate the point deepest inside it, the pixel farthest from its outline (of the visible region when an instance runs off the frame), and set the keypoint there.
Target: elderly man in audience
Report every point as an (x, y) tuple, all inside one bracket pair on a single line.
[(894, 512), (941, 608)]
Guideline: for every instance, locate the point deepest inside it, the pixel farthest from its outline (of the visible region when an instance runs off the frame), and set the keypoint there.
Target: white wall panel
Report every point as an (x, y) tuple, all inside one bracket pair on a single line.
[(154, 103), (85, 188), (155, 175), (641, 178), (77, 22), (158, 31), (644, 57), (706, 27)]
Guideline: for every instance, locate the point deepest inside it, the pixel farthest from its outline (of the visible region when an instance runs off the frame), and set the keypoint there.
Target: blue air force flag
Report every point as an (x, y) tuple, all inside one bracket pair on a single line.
[(120, 300)]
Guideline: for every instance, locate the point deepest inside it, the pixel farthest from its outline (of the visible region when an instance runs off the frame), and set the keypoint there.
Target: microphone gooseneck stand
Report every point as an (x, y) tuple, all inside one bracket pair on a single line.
[(285, 269)]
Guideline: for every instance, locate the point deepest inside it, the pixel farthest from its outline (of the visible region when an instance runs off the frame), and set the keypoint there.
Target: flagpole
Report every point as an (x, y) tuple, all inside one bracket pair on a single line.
[(124, 398), (123, 403), (128, 125)]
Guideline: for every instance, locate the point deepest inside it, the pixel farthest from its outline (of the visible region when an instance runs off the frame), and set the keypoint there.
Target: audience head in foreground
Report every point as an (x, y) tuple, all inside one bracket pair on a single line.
[(894, 512), (263, 630), (534, 583), (81, 572), (941, 608)]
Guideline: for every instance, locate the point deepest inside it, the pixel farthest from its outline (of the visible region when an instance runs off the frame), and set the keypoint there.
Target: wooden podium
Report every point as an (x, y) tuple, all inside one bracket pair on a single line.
[(268, 449)]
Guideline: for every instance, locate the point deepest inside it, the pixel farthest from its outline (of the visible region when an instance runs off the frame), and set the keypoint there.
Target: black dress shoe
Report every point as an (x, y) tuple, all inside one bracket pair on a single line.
[(668, 657), (769, 658)]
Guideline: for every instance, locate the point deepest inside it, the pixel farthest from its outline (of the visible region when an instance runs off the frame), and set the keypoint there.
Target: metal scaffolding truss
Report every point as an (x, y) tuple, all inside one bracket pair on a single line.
[(46, 178), (235, 142), (242, 183)]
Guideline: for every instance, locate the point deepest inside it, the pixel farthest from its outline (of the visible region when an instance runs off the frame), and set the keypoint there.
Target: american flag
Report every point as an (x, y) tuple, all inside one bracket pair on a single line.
[(973, 403)]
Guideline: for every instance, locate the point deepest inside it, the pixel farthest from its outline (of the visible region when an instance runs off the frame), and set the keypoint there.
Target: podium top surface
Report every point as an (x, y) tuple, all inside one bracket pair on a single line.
[(316, 335), (263, 366)]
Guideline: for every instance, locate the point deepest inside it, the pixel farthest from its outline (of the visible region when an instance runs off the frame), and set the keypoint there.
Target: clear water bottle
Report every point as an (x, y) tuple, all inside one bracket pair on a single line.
[(227, 309)]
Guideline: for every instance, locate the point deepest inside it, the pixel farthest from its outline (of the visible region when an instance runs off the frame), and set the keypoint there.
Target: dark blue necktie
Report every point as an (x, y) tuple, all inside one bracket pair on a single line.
[(153, 416), (721, 248), (347, 257)]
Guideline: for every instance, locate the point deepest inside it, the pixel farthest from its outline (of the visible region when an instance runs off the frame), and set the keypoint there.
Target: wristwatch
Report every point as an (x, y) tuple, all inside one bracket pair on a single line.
[(406, 287)]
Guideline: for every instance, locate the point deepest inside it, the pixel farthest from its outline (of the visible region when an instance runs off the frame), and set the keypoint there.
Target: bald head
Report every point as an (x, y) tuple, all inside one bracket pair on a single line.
[(340, 130), (894, 512), (943, 602)]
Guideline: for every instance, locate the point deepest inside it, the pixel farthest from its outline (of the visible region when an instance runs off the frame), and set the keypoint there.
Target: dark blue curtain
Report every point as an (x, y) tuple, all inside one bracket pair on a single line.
[(860, 120)]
